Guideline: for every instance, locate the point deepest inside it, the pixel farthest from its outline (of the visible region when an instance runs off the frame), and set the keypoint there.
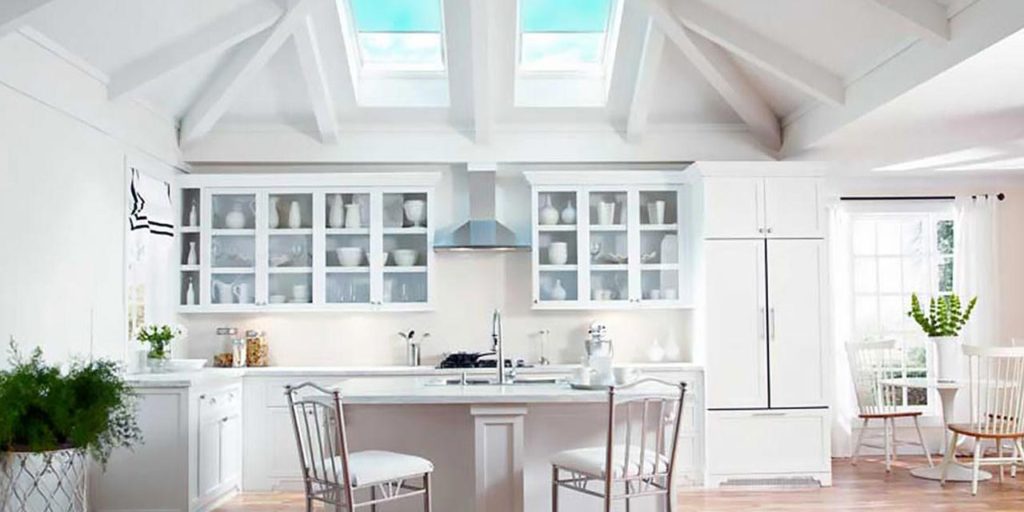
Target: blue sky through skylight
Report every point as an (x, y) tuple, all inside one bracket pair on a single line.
[(563, 35), (399, 35)]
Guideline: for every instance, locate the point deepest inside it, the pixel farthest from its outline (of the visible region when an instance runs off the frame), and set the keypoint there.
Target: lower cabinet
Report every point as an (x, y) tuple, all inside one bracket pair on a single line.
[(754, 447), (191, 455)]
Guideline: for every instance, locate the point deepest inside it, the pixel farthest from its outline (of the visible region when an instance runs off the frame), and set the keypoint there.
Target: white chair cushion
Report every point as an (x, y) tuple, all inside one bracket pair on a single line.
[(591, 461), (376, 466)]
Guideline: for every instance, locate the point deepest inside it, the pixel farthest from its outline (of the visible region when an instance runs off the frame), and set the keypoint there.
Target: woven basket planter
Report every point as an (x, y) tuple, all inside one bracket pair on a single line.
[(43, 482)]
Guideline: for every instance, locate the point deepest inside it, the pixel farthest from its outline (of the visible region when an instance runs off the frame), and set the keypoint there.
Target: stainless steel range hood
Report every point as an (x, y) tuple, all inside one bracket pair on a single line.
[(482, 232)]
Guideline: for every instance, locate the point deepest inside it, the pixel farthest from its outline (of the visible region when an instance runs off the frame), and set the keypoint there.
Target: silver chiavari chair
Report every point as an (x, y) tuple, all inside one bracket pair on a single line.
[(334, 476), (644, 418), (996, 396)]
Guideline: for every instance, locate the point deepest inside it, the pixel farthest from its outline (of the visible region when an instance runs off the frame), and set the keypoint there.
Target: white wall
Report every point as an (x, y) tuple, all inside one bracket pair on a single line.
[(469, 287), (63, 149)]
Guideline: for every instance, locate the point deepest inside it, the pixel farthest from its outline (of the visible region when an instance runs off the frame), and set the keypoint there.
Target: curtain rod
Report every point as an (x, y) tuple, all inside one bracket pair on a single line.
[(1000, 196)]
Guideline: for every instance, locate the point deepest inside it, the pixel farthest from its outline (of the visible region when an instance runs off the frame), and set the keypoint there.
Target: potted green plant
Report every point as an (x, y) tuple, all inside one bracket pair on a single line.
[(159, 338), (51, 421), (942, 323)]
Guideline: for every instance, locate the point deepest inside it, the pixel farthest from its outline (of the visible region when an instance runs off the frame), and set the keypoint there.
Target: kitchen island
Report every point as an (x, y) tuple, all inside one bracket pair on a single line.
[(474, 434)]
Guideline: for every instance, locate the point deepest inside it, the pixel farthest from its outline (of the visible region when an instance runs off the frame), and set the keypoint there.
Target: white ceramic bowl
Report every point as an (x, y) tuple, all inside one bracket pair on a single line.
[(349, 256), (404, 257), (185, 365)]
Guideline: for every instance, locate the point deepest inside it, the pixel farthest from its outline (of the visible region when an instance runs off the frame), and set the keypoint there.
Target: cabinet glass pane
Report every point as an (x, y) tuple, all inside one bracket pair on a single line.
[(347, 211), (234, 211), (348, 288), (290, 211), (405, 210), (290, 251), (405, 287), (232, 288), (608, 209), (189, 298), (659, 207), (291, 288), (348, 251), (660, 285), (609, 248), (405, 250), (190, 208), (557, 248), (556, 209), (558, 286), (609, 285), (233, 251), (190, 249)]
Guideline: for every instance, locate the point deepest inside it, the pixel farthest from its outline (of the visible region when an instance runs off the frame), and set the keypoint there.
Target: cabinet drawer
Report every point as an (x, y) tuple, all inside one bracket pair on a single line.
[(218, 402), (768, 442)]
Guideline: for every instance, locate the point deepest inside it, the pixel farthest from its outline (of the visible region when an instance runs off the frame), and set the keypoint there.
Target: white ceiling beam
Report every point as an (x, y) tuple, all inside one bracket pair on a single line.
[(249, 58), (320, 96), (722, 73), (215, 37), (924, 18), (483, 101), (977, 27), (14, 13), (643, 88), (759, 50)]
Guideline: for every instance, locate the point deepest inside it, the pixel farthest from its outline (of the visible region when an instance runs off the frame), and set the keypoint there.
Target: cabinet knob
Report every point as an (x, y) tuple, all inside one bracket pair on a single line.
[(769, 230), (760, 230), (535, 301)]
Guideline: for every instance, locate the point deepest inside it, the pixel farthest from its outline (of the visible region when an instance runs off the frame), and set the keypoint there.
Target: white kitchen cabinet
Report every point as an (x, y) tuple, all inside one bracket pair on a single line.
[(308, 243), (760, 447), (191, 457), (736, 323), (796, 340), (620, 240), (763, 207)]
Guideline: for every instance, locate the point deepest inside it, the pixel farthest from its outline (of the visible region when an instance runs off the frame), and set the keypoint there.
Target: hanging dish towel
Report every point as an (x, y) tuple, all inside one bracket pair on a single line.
[(151, 211)]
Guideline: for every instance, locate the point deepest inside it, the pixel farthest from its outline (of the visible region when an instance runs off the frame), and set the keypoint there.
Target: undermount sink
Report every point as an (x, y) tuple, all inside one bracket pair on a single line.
[(488, 381)]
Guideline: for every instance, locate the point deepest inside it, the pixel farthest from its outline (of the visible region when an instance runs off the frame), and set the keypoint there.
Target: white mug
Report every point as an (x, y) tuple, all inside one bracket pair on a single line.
[(300, 292), (582, 375), (655, 294), (669, 294), (241, 292), (558, 253)]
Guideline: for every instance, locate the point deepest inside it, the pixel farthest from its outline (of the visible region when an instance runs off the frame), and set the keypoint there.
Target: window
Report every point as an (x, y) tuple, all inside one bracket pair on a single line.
[(398, 35), (566, 35), (895, 254)]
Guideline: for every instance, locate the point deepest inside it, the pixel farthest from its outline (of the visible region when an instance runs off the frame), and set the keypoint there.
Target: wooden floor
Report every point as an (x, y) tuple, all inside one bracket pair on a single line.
[(860, 488)]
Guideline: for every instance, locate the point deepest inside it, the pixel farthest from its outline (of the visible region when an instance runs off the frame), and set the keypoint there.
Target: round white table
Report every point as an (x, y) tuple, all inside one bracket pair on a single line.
[(947, 393)]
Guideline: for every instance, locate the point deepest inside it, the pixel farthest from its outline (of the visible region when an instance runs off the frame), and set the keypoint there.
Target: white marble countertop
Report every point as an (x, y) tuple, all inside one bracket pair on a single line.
[(184, 379), (433, 391)]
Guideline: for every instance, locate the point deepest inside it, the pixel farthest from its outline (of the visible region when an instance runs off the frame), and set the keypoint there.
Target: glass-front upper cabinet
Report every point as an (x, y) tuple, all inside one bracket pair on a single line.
[(320, 247), (599, 245)]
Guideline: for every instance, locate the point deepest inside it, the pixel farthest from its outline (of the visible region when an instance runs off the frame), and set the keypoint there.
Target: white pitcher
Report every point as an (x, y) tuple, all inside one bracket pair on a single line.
[(241, 292), (336, 215), (353, 217), (223, 292)]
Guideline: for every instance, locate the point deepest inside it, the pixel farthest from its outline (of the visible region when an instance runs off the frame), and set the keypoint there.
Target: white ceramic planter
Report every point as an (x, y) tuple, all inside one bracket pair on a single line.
[(53, 481), (948, 350)]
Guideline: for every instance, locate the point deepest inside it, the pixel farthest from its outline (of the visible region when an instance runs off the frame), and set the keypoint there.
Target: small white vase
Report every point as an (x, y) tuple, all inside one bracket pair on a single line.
[(558, 292), (336, 216), (948, 350), (548, 214), (569, 214), (295, 216), (192, 258), (273, 217)]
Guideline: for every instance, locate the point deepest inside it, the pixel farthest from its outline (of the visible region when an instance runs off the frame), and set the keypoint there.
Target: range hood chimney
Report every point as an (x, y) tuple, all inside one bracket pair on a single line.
[(482, 232)]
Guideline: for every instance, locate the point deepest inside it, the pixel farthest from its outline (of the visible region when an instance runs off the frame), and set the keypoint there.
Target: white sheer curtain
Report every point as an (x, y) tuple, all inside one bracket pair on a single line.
[(976, 264), (844, 406)]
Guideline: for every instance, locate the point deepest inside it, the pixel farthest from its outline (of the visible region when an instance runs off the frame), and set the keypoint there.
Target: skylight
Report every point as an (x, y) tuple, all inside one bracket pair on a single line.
[(399, 35), (564, 35)]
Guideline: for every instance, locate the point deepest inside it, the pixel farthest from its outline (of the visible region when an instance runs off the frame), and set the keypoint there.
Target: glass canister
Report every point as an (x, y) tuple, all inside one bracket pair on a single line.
[(238, 353), (257, 353)]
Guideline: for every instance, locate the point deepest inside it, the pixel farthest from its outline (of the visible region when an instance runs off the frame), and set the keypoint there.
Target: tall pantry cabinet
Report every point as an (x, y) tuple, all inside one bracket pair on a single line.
[(765, 329)]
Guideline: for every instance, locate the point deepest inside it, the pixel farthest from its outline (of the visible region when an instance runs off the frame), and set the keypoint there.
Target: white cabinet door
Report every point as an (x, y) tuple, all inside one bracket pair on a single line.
[(231, 449), (747, 443), (209, 455), (733, 207), (792, 208), (736, 330), (795, 322)]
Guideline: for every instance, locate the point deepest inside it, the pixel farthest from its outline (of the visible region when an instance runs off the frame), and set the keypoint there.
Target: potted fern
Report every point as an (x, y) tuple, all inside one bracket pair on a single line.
[(942, 323), (51, 422)]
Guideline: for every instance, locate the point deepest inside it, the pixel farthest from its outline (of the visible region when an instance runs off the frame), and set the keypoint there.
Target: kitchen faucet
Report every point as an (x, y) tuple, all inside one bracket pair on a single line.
[(499, 347)]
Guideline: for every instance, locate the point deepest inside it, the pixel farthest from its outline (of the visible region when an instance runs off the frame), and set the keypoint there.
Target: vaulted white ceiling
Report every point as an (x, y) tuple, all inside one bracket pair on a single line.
[(783, 73)]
